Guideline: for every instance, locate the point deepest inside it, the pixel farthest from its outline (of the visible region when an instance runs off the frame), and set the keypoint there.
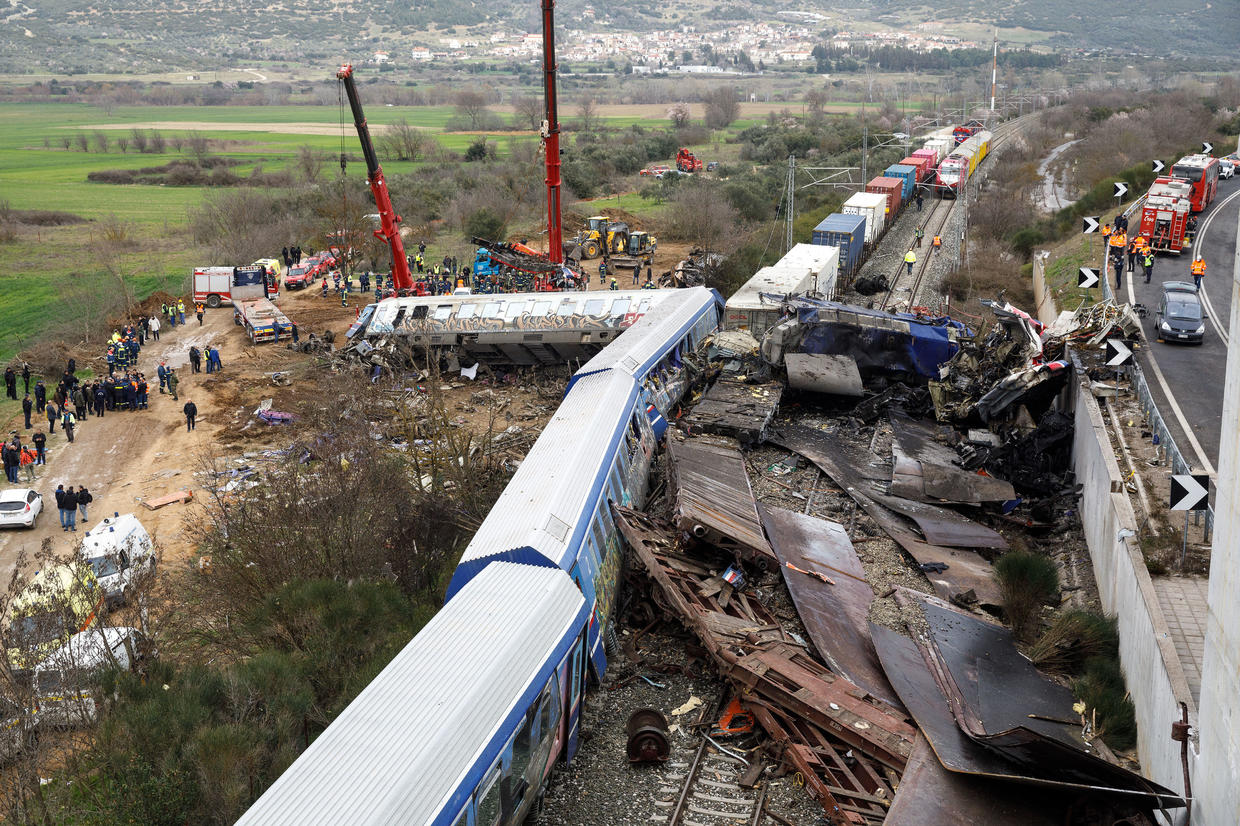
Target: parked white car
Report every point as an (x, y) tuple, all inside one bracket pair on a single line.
[(1226, 168), (20, 507), (119, 551)]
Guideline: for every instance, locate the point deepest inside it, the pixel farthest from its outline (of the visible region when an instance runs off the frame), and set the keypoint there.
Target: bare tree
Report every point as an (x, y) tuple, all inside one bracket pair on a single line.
[(587, 110), (198, 146), (722, 106), (530, 110), (101, 141), (139, 139), (472, 106), (309, 164), (678, 114), (241, 224), (403, 141), (700, 215), (83, 141), (122, 143)]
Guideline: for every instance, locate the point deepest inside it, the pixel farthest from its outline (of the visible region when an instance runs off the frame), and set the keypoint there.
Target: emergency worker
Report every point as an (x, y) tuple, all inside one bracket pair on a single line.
[(1198, 269), (910, 258)]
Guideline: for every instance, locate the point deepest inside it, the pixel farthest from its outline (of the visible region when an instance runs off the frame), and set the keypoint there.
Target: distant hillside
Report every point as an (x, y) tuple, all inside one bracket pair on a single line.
[(1159, 27), (150, 35)]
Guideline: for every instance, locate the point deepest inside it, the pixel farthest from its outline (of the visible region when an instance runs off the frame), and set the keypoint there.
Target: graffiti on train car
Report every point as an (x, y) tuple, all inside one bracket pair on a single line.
[(608, 580), (524, 323)]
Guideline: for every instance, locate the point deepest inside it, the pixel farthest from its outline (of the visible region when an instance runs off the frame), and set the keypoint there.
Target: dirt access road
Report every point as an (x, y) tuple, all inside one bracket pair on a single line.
[(125, 457)]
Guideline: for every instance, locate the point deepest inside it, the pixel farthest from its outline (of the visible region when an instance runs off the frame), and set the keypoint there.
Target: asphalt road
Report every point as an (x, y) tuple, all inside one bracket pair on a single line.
[(1194, 375)]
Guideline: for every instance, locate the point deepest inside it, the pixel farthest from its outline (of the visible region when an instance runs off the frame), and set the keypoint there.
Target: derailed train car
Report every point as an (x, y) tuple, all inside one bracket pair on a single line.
[(465, 725)]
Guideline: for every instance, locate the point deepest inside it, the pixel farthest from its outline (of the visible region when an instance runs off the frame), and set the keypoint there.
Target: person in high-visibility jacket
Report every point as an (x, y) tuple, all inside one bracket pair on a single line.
[(1106, 231), (1198, 269), (1118, 242), (910, 258), (937, 242)]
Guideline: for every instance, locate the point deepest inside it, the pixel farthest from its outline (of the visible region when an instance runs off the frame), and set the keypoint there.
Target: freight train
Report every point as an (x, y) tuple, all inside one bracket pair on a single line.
[(466, 724), (939, 165)]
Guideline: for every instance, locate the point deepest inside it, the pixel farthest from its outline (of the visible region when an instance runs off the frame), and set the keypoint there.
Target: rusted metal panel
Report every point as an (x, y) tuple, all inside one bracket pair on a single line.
[(733, 408), (713, 499), (942, 693), (941, 526), (752, 650), (804, 761), (938, 478), (967, 576), (835, 616), (930, 795), (786, 676)]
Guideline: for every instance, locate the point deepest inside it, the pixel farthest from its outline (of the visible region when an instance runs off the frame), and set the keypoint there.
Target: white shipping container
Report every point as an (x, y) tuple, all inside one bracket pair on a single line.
[(821, 260), (746, 309), (872, 205), (941, 147)]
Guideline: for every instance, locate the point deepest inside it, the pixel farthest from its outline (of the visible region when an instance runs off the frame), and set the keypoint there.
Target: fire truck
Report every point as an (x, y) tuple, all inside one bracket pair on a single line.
[(1202, 172), (1165, 214), (686, 161)]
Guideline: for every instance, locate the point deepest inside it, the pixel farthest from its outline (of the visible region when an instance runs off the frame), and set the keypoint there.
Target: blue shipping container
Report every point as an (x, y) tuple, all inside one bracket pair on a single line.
[(908, 174), (846, 232)]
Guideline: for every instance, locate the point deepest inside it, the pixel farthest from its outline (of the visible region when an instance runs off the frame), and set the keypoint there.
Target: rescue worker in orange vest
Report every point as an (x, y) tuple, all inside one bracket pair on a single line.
[(937, 242), (1198, 269), (1134, 247), (1118, 242), (1106, 232)]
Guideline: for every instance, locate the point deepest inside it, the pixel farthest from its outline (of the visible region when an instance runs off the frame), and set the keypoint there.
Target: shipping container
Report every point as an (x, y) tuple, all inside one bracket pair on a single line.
[(822, 261), (920, 164), (873, 206), (940, 148), (747, 310), (893, 188), (906, 173), (931, 161), (847, 234)]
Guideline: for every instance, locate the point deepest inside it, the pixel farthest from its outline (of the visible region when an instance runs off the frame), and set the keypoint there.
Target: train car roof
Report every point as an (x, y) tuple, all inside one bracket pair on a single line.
[(645, 343), (405, 751), (558, 482), (445, 308)]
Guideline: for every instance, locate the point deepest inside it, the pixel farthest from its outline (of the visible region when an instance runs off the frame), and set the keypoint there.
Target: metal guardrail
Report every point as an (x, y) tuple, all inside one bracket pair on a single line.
[(1168, 450)]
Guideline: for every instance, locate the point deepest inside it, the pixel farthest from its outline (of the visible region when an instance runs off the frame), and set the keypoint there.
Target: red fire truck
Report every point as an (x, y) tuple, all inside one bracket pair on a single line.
[(1165, 213), (1202, 172)]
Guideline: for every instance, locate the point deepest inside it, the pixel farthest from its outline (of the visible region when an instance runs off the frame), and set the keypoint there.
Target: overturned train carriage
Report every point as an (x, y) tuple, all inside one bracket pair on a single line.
[(465, 725)]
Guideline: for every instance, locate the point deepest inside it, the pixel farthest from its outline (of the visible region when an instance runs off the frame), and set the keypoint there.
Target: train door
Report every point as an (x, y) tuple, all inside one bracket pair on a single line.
[(575, 696)]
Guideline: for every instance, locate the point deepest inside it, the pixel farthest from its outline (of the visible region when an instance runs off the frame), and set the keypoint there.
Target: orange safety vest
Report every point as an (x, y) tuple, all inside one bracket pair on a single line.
[(1198, 267), (938, 242), (1119, 239), (1106, 230)]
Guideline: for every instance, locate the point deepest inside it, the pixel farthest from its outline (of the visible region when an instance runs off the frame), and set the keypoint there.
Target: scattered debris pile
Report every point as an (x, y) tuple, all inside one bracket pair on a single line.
[(695, 270)]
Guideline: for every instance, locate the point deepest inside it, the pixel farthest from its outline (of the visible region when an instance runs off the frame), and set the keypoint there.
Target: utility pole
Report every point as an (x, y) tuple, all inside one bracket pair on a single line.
[(994, 75), (790, 212), (865, 150)]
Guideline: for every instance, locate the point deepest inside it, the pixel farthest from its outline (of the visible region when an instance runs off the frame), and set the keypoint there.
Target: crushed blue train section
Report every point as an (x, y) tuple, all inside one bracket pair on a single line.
[(879, 342)]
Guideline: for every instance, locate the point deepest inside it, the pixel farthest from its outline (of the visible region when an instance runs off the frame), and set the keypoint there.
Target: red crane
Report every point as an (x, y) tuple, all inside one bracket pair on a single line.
[(551, 138), (389, 221)]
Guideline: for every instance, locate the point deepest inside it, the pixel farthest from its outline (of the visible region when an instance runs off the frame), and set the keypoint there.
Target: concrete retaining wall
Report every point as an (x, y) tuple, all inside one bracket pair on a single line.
[(1045, 309), (1151, 665)]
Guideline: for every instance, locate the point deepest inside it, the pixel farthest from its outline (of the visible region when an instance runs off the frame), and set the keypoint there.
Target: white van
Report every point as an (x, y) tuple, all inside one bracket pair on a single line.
[(119, 551), (64, 681)]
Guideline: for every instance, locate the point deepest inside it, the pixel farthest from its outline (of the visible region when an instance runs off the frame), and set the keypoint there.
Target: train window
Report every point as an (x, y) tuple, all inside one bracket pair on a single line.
[(466, 311), (514, 309), (567, 307), (595, 306), (442, 312), (548, 713), (489, 800), (644, 306), (619, 307), (491, 310), (522, 746), (578, 659), (542, 308), (418, 312)]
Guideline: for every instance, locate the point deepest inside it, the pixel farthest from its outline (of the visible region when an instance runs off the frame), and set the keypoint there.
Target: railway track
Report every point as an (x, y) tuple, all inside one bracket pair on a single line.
[(704, 791), (934, 224)]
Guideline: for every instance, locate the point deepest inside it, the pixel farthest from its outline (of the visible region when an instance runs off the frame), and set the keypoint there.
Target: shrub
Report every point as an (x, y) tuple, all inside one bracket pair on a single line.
[(1073, 638), (1027, 581), (484, 223), (1102, 689)]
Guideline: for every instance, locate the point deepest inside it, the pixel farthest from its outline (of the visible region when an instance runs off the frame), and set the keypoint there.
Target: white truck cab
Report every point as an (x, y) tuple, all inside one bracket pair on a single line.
[(119, 551)]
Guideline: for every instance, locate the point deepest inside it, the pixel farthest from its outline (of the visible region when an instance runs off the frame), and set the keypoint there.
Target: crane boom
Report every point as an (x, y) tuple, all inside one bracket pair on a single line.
[(551, 137), (389, 221)]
